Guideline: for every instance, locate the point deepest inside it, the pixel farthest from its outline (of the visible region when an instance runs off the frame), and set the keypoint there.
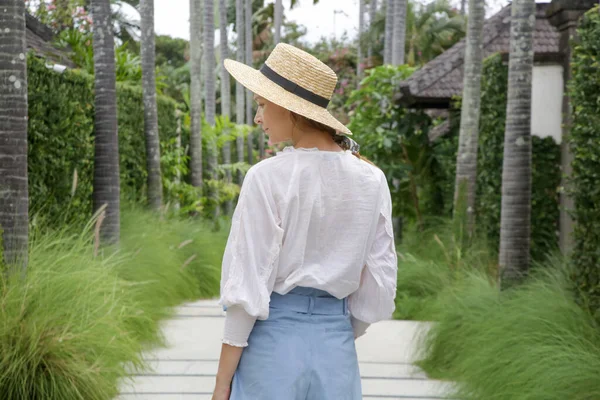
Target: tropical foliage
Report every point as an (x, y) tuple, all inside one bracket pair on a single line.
[(533, 342), (585, 146), (79, 45), (545, 167), (431, 28), (75, 14), (394, 138), (78, 322), (537, 331)]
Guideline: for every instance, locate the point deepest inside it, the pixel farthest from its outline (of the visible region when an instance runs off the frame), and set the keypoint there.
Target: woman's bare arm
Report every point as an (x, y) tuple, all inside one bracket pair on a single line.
[(228, 363)]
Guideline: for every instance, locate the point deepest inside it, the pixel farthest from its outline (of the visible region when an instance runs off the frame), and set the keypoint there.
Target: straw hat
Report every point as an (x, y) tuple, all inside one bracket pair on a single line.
[(292, 79)]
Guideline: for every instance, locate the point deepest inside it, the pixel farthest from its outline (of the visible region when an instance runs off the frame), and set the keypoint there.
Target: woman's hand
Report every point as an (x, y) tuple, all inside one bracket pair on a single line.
[(221, 392)]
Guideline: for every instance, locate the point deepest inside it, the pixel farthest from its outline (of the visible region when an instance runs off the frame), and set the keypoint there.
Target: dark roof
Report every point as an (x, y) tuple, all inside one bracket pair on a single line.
[(39, 39), (439, 80)]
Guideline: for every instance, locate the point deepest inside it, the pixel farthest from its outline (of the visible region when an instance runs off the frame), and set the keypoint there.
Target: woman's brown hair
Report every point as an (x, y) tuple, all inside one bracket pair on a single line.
[(338, 139)]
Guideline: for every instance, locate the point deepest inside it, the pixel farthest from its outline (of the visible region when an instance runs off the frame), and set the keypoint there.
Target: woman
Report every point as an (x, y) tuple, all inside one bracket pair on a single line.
[(310, 261)]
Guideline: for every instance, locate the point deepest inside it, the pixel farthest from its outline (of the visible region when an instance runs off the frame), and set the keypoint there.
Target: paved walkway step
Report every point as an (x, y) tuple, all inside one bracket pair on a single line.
[(186, 368)]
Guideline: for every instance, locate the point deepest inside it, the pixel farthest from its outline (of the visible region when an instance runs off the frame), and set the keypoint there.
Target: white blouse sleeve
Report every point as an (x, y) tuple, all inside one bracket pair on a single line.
[(251, 253), (374, 299)]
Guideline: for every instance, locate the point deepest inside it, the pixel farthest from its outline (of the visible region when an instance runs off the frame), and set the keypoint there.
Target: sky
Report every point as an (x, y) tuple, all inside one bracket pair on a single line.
[(327, 18)]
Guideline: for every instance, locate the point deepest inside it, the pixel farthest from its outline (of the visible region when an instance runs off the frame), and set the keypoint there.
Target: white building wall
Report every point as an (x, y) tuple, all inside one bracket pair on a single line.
[(546, 102)]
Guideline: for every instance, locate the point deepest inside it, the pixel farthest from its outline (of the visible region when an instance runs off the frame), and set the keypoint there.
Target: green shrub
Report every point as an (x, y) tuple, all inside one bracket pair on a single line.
[(435, 259), (585, 145), (533, 342), (76, 324), (419, 283), (64, 330), (395, 139), (188, 245)]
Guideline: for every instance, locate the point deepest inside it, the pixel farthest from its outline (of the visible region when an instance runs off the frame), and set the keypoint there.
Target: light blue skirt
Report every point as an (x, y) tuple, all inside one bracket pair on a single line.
[(304, 351)]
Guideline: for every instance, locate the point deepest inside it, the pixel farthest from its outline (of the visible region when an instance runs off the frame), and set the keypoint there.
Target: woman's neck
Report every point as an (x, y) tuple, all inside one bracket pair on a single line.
[(320, 140)]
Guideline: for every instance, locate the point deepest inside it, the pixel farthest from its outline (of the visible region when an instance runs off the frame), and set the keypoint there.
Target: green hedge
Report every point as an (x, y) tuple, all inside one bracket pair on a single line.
[(545, 166), (445, 150), (585, 145), (132, 142), (61, 141)]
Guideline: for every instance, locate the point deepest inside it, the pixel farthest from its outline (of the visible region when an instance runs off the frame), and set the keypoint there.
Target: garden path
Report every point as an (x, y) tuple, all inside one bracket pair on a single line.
[(186, 368)]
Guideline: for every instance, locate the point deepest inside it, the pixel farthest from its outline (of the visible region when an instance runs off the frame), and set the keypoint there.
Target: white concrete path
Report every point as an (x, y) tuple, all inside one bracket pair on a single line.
[(186, 369)]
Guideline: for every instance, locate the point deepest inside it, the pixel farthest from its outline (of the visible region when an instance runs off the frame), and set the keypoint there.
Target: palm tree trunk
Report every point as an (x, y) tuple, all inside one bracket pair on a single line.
[(225, 93), (515, 219), (209, 67), (248, 39), (106, 158), (14, 201), (372, 14), (239, 89), (389, 32), (466, 162), (176, 204), (278, 20), (463, 7), (196, 93), (150, 112), (398, 48), (210, 102), (359, 56), (224, 46)]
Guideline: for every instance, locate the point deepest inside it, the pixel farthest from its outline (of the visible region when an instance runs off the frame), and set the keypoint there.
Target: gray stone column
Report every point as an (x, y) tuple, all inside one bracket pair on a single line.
[(564, 15)]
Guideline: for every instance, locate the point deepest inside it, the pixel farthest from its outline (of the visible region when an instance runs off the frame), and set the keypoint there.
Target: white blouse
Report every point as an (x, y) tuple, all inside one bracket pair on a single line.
[(313, 218)]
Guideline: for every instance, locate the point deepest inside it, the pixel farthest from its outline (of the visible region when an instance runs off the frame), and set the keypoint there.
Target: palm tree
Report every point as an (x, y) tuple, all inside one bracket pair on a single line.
[(248, 47), (431, 29), (178, 113), (463, 7), (150, 111), (389, 32), (399, 41), (196, 93), (515, 220), (466, 162), (278, 20), (239, 89), (210, 83), (106, 158), (359, 56), (225, 92), (372, 14), (224, 47), (14, 202), (209, 67)]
